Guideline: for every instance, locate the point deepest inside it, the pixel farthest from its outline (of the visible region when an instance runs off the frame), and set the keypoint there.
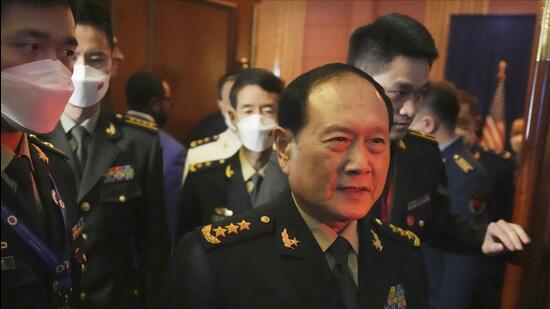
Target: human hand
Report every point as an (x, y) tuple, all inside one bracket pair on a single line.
[(503, 235)]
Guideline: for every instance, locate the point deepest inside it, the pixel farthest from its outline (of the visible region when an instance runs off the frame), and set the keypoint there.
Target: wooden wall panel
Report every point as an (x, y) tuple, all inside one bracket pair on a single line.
[(281, 37), (130, 23), (191, 50)]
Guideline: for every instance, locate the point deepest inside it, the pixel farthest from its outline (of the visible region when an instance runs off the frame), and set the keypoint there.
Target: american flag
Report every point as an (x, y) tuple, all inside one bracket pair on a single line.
[(494, 131)]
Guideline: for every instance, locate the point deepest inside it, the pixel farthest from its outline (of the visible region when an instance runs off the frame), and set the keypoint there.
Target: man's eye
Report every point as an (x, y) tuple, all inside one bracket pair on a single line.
[(28, 47), (378, 140), (340, 139), (68, 53)]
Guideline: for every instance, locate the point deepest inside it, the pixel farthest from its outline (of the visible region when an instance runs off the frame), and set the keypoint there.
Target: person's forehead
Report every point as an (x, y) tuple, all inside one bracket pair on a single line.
[(55, 21), (405, 72), (340, 93), (91, 37), (252, 94)]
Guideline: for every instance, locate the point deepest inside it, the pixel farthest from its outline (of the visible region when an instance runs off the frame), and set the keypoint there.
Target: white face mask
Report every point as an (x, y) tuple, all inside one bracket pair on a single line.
[(255, 132), (34, 95), (90, 85)]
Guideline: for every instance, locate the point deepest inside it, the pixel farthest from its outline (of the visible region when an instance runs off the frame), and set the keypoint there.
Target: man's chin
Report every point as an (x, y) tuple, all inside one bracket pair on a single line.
[(398, 132)]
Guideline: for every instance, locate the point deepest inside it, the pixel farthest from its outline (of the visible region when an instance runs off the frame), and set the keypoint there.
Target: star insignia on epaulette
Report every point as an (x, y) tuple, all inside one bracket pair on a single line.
[(208, 236), (232, 228), (220, 231), (287, 242), (376, 241), (111, 129), (41, 155), (244, 225)]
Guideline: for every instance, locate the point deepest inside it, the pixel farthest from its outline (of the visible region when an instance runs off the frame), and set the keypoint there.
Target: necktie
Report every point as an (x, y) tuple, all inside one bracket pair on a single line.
[(81, 137), (339, 250), (256, 181)]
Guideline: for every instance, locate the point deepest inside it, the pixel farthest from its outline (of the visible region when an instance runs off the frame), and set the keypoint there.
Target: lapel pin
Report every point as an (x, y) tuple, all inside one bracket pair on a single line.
[(287, 242), (41, 155), (111, 130), (376, 241), (229, 171)]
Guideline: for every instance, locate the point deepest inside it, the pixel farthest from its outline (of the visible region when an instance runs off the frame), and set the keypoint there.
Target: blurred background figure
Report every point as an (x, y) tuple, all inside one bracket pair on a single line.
[(117, 56), (452, 276), (220, 188), (216, 134), (149, 98), (218, 121)]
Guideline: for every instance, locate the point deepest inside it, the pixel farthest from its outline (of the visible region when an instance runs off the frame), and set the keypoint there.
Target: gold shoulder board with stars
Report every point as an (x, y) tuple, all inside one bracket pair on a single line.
[(422, 135), (203, 141), (464, 165), (42, 145), (229, 231), (138, 122), (207, 165)]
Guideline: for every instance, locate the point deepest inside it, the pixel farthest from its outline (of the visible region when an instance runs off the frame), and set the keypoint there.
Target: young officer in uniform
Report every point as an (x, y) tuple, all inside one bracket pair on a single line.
[(453, 275), (41, 242), (314, 246), (117, 162), (221, 188), (398, 52)]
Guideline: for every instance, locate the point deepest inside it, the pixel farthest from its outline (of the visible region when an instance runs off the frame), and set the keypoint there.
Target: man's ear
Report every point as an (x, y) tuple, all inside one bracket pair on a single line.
[(430, 124), (284, 143), (232, 116)]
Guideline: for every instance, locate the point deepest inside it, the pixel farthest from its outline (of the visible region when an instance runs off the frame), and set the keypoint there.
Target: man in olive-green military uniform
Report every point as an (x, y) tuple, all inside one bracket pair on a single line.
[(41, 240), (314, 246), (117, 162), (215, 189)]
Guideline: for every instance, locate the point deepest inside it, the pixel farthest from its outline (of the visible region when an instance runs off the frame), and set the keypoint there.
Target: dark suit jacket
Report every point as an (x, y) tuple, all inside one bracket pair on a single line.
[(121, 198), (26, 282), (253, 269), (173, 155), (209, 188)]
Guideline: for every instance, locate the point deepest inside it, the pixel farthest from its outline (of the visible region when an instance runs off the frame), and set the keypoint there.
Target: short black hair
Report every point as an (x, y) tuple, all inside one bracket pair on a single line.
[(374, 46), (259, 77), (230, 76), (441, 101), (293, 102), (141, 88), (7, 4), (94, 13), (469, 99)]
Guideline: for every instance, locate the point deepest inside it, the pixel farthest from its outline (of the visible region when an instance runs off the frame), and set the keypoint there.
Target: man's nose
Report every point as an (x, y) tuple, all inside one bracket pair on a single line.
[(358, 160)]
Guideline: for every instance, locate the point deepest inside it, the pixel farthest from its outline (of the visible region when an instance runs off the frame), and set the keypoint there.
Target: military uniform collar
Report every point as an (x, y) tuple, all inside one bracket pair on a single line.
[(141, 115), (89, 124), (445, 145), (22, 150), (246, 168), (324, 235)]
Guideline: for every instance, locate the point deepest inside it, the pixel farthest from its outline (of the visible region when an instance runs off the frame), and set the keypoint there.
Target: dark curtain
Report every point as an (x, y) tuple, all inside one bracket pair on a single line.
[(477, 43)]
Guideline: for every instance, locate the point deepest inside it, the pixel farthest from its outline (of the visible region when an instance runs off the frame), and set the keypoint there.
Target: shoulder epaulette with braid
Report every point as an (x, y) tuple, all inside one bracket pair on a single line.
[(138, 122), (46, 146)]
